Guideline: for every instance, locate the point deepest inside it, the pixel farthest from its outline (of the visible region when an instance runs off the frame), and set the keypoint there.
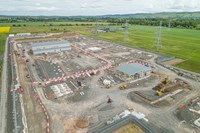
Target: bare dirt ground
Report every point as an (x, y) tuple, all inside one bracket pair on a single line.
[(75, 125), (93, 104), (35, 116), (87, 61), (173, 62)]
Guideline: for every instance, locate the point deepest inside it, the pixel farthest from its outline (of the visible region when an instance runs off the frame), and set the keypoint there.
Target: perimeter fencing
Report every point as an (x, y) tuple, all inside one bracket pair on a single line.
[(122, 122)]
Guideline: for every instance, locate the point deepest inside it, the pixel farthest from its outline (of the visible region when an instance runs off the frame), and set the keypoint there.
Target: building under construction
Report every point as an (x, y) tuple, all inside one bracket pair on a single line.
[(133, 71), (50, 47)]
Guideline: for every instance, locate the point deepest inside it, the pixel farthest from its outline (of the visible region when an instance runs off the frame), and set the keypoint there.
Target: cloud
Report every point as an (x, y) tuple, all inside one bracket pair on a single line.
[(37, 4), (94, 7), (84, 5), (41, 8), (184, 5)]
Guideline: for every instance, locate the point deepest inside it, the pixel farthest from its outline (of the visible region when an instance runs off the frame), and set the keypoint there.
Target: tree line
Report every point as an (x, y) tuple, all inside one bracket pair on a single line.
[(174, 23)]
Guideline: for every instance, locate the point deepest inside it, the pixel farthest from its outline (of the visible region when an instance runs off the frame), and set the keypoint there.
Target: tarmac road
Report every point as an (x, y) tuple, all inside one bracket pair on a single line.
[(4, 91)]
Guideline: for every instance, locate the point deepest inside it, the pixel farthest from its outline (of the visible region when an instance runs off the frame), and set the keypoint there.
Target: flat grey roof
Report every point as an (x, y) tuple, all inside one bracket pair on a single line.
[(40, 44), (132, 68), (51, 49)]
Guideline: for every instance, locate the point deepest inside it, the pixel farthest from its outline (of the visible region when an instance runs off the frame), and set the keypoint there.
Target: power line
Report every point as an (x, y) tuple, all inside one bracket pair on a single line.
[(169, 25), (97, 27), (126, 31), (158, 36)]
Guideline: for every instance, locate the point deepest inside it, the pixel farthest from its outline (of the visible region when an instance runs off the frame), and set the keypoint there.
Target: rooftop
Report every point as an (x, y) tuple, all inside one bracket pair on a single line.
[(40, 44), (132, 68)]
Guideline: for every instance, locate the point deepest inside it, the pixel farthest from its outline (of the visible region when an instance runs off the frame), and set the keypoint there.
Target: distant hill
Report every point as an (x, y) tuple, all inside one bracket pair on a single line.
[(178, 15), (195, 15)]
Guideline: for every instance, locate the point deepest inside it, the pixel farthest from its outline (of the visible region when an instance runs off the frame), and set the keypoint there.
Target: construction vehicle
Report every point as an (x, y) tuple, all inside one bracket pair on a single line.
[(158, 87), (166, 88), (123, 86), (20, 89), (108, 86), (16, 52), (107, 83), (27, 60), (165, 81), (109, 100), (27, 76), (79, 83), (159, 92), (182, 106)]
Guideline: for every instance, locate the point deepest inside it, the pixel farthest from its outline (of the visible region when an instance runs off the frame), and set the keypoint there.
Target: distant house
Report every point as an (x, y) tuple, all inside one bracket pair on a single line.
[(133, 71), (50, 47)]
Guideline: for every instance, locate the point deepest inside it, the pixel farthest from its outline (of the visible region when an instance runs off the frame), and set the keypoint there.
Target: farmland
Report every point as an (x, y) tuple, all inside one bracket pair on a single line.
[(47, 23), (2, 41), (4, 29), (182, 43)]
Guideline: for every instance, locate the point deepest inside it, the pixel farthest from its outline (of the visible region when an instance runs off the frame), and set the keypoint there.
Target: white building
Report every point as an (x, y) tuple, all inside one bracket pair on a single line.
[(94, 49), (23, 34), (50, 47)]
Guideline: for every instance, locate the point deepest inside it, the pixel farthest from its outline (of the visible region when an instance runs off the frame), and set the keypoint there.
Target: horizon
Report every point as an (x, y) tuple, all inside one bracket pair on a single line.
[(94, 7), (97, 15)]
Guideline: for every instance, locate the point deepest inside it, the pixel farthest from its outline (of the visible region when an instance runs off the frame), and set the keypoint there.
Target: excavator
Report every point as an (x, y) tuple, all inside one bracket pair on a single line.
[(159, 92), (162, 87)]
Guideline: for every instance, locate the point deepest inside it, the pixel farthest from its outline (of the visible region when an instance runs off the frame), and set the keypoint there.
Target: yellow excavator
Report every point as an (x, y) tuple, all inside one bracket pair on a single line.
[(162, 87), (159, 92)]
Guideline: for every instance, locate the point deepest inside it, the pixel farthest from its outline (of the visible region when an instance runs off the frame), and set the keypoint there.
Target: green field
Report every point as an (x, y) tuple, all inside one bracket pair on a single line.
[(182, 43), (2, 42), (47, 23)]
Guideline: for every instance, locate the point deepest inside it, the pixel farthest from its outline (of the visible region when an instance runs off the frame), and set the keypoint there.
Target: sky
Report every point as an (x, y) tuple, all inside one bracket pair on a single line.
[(94, 7)]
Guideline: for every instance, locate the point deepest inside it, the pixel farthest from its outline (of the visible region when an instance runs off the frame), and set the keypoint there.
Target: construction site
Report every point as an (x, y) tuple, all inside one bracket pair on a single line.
[(75, 83)]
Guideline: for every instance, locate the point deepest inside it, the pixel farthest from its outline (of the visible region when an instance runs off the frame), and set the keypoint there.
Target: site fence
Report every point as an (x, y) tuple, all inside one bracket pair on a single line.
[(122, 122)]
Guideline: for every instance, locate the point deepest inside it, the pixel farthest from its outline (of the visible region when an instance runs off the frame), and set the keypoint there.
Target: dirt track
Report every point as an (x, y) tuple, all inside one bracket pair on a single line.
[(173, 62), (34, 114)]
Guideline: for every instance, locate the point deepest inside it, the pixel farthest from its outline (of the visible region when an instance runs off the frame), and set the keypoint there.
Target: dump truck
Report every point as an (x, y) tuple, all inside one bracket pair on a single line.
[(123, 86)]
